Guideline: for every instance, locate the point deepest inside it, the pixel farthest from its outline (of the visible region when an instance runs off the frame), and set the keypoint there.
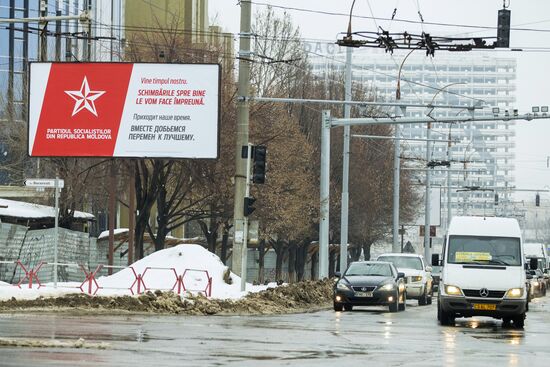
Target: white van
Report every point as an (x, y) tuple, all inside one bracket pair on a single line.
[(537, 251), (483, 271)]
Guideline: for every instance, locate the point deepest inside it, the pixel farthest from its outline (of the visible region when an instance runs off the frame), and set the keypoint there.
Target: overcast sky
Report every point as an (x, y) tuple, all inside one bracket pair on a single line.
[(533, 73)]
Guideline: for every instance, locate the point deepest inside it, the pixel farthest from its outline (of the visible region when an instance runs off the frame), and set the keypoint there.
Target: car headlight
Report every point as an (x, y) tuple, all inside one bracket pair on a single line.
[(387, 287), (452, 290), (342, 286), (514, 293), (417, 278)]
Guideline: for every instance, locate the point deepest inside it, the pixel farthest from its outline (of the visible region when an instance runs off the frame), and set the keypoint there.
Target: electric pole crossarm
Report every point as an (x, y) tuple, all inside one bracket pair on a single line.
[(359, 103), (400, 139), (423, 120)]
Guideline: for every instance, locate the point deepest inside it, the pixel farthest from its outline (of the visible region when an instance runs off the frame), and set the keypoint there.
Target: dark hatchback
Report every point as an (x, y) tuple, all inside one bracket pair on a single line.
[(370, 283)]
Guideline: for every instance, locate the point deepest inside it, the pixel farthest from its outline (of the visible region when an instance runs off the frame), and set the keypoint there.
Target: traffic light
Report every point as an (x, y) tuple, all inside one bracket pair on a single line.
[(503, 30), (248, 208), (537, 200), (258, 168), (496, 199)]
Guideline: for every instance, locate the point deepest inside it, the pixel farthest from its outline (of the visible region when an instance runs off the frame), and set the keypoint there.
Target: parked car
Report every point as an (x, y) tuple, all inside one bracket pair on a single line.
[(418, 278), (367, 283), (538, 283)]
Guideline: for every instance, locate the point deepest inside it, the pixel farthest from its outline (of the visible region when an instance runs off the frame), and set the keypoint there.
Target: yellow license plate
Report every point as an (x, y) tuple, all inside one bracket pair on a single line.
[(485, 306)]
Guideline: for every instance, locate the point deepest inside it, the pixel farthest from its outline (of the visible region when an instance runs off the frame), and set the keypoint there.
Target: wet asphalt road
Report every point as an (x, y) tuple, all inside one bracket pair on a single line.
[(370, 336)]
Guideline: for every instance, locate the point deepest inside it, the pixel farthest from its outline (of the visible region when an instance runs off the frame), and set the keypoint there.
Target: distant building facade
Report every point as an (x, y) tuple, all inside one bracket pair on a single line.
[(484, 149)]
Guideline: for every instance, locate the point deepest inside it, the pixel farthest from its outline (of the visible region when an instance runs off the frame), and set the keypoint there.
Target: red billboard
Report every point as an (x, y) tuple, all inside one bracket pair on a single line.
[(124, 110)]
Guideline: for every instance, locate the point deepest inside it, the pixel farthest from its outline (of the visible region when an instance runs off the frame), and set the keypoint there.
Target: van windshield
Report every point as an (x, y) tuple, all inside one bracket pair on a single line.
[(484, 250)]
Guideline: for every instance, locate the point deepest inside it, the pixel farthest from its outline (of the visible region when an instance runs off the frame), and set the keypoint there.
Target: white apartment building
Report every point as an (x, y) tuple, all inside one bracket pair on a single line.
[(484, 149)]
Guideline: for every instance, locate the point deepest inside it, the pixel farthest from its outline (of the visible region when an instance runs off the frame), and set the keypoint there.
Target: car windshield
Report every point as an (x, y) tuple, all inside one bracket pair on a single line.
[(369, 269), (484, 250), (408, 262)]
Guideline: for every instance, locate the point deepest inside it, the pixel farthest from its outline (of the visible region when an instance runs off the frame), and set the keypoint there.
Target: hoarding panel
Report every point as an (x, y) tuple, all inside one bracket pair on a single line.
[(124, 110)]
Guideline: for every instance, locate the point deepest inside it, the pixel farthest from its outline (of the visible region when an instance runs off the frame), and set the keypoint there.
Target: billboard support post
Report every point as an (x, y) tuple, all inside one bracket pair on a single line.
[(112, 210), (56, 230)]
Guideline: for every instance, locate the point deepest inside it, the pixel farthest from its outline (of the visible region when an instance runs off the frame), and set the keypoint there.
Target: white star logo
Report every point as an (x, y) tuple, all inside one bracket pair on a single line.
[(84, 98)]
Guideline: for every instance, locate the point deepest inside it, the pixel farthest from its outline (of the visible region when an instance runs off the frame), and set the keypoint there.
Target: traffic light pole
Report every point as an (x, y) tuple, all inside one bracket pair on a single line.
[(244, 253), (242, 138)]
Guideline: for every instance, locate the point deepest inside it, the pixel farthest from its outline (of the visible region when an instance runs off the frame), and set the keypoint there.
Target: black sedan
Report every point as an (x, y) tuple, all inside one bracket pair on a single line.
[(367, 283)]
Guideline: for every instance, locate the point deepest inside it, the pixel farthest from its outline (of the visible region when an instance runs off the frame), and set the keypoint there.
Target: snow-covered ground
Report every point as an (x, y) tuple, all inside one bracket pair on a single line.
[(157, 271)]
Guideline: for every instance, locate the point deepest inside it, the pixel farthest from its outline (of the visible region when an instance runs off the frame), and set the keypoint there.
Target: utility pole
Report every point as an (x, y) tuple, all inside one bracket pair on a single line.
[(427, 218), (242, 136), (325, 196), (396, 189), (345, 173), (43, 26), (58, 33), (449, 196), (88, 47)]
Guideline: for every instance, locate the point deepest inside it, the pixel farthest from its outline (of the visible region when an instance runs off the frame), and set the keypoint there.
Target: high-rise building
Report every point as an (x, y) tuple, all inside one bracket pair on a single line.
[(484, 150), (65, 40), (189, 18)]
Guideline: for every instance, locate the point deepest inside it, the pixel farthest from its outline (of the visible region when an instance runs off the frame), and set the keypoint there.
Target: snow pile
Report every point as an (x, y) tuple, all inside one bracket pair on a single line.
[(159, 271)]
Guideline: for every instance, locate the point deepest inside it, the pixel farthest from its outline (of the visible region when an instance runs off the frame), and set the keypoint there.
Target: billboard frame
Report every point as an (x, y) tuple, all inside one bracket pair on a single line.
[(218, 125)]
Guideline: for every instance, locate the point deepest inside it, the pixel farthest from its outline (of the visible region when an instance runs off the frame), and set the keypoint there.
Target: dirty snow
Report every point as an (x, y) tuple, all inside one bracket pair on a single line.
[(158, 273)]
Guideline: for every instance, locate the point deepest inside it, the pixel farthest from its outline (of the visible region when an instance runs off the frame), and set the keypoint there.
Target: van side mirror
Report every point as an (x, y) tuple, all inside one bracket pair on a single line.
[(337, 274), (435, 260), (400, 275), (533, 263)]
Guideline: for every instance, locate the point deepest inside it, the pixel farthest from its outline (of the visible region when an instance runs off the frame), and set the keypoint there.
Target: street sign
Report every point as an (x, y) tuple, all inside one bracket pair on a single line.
[(44, 182)]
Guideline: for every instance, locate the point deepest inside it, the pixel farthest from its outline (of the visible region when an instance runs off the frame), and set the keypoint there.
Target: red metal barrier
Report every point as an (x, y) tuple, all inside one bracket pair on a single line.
[(180, 282), (139, 281), (30, 274), (90, 279), (91, 286)]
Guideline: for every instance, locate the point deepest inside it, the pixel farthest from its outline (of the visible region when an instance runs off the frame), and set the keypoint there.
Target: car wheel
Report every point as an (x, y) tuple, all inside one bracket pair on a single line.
[(403, 305), (394, 307), (445, 318), (519, 321), (338, 307), (348, 307)]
